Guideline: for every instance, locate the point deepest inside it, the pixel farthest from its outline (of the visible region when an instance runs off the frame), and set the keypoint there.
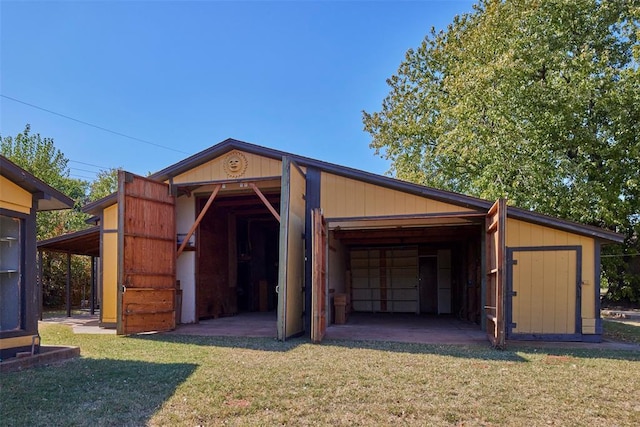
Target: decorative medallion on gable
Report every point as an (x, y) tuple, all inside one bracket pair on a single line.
[(235, 164)]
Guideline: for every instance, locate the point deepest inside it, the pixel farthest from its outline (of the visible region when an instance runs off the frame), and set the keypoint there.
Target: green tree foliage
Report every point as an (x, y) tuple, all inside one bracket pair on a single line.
[(106, 183), (41, 158), (537, 101)]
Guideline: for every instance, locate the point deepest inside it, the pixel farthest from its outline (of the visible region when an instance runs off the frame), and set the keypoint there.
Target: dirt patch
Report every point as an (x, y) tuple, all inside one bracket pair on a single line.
[(237, 403), (558, 360)]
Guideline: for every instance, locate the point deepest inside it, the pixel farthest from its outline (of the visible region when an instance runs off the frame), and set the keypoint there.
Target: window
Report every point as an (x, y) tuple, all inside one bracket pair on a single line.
[(11, 289)]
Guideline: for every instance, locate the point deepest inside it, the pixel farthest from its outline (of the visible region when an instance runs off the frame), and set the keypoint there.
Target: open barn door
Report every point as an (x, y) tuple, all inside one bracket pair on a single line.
[(146, 255), (318, 276), (496, 273), (291, 257)]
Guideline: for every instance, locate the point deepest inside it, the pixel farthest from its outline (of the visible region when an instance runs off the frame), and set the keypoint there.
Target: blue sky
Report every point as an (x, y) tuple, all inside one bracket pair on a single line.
[(293, 76)]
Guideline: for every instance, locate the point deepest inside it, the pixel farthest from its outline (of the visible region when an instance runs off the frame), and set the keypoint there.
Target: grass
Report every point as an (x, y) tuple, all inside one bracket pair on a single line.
[(182, 380), (622, 330)]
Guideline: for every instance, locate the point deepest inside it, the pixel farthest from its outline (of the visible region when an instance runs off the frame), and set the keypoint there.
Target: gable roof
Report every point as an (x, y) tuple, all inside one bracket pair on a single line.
[(462, 200), (48, 198)]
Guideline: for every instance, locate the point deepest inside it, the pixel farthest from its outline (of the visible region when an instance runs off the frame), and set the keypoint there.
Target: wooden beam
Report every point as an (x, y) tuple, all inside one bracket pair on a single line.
[(264, 200), (195, 224), (68, 284)]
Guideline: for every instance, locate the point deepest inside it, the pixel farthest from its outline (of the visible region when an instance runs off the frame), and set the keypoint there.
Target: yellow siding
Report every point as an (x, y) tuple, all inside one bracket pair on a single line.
[(257, 167), (548, 269), (110, 218), (346, 197), (13, 197), (109, 277), (15, 342)]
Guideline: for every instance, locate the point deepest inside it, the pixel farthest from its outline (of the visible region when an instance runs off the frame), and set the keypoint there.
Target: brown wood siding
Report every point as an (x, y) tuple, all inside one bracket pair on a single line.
[(147, 276), (257, 167), (345, 197)]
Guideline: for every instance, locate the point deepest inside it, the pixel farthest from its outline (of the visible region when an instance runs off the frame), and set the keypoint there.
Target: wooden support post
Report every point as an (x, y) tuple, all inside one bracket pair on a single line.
[(40, 284), (68, 284), (264, 200), (93, 285), (195, 224)]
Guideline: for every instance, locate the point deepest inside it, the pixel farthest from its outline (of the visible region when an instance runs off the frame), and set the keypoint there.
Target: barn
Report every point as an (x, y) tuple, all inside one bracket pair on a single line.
[(21, 196), (241, 228)]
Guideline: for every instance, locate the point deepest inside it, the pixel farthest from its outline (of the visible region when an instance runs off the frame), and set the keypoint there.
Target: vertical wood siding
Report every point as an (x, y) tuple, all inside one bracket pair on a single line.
[(346, 197), (546, 292), (109, 308), (544, 271), (257, 166)]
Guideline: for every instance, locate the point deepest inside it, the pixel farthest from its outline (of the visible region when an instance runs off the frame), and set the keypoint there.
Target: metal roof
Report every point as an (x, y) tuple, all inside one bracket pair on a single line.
[(458, 199)]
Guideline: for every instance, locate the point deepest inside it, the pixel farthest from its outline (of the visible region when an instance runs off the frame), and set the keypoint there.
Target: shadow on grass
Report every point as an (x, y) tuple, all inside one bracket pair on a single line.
[(248, 343), (90, 392), (472, 351), (587, 352), (485, 352), (481, 352)]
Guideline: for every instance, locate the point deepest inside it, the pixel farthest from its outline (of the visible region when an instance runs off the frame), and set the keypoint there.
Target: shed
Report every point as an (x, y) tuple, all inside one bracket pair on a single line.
[(240, 227), (21, 196)]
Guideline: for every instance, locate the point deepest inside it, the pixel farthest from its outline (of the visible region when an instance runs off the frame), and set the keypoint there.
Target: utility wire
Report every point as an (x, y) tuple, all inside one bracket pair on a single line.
[(92, 125), (619, 255), (81, 176), (89, 164), (84, 170)]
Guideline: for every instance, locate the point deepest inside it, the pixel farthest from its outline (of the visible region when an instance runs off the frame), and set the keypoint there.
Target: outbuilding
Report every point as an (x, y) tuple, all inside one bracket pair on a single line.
[(239, 228), (21, 196)]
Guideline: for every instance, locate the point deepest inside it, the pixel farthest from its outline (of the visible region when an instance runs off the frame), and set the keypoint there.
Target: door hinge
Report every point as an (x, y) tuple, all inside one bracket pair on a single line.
[(514, 262), (513, 325), (513, 293)]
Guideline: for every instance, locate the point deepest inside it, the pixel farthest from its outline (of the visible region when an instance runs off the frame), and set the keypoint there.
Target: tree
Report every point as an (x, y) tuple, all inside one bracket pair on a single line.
[(536, 101), (41, 158), (106, 183)]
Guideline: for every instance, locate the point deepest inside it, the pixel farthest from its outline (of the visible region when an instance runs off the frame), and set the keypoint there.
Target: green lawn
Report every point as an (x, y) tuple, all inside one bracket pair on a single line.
[(181, 380), (622, 330)]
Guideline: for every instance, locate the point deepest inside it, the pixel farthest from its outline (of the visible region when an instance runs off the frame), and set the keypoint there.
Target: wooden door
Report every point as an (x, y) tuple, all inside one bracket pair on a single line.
[(495, 270), (319, 276), (146, 255), (291, 257), (428, 285)]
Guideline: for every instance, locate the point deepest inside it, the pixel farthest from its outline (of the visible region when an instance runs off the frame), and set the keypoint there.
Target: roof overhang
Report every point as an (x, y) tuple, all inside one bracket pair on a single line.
[(83, 242), (47, 197), (477, 205)]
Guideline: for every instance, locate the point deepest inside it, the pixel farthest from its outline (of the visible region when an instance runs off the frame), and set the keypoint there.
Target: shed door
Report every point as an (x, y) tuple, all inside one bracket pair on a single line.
[(291, 257), (146, 255), (319, 276), (496, 261)]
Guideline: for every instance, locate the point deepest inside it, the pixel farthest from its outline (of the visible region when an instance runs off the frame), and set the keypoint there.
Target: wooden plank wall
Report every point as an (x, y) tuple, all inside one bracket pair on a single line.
[(149, 256)]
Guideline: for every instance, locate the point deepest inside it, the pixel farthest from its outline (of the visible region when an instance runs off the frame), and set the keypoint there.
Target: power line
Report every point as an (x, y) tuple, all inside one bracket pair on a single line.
[(84, 170), (81, 176), (619, 255), (89, 164), (92, 125)]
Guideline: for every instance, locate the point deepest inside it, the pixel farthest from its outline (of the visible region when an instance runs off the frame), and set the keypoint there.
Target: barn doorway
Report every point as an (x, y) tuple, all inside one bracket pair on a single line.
[(421, 279), (237, 256)]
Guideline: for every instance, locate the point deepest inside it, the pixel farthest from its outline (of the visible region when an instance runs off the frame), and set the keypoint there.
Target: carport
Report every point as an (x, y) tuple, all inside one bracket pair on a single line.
[(82, 243)]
